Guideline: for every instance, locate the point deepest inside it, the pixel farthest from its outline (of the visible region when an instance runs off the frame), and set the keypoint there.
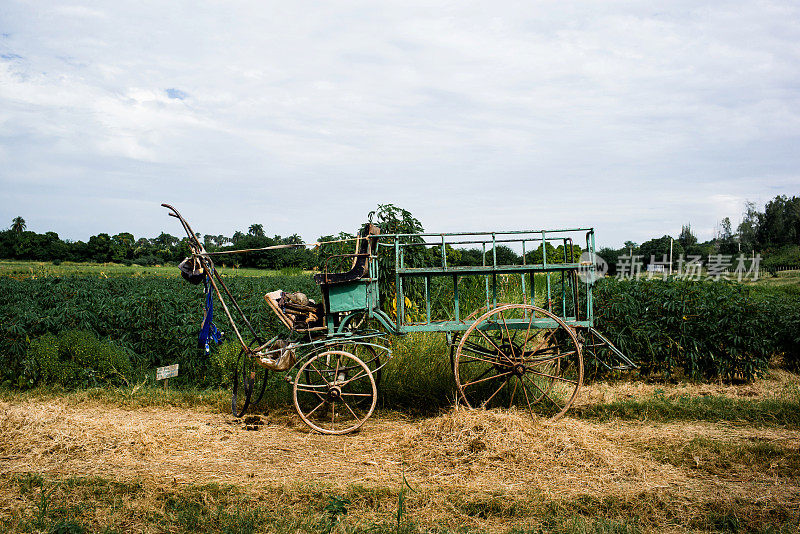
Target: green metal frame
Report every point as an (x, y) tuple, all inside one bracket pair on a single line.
[(363, 295)]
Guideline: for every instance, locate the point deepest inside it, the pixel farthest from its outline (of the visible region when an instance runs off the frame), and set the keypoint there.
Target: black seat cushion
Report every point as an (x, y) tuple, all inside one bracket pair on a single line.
[(361, 263)]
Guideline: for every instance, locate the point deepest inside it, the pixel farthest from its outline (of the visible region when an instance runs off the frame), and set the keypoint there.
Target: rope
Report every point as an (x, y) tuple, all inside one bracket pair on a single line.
[(275, 247)]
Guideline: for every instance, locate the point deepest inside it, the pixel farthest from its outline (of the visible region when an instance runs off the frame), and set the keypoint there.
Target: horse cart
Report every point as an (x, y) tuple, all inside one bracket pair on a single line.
[(518, 331)]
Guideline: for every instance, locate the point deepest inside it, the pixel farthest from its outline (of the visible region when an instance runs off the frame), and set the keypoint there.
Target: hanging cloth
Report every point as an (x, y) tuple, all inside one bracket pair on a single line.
[(208, 332)]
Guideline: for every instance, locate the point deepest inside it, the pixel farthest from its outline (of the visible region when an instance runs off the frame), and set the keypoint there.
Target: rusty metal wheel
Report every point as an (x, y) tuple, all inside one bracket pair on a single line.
[(505, 358), (247, 376), (334, 392)]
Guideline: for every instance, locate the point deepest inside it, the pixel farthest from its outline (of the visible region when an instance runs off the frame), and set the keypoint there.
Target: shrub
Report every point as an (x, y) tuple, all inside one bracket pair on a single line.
[(74, 359), (155, 317), (701, 329), (782, 323), (223, 364)]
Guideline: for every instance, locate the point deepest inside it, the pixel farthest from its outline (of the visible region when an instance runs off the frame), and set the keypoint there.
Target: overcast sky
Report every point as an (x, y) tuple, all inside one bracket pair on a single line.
[(632, 117)]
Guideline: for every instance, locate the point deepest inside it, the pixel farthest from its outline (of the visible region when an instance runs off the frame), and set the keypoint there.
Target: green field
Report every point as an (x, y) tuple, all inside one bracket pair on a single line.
[(91, 443), (38, 269)]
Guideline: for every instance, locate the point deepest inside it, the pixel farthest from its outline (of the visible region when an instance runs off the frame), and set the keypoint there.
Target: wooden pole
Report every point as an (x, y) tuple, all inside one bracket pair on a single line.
[(670, 256)]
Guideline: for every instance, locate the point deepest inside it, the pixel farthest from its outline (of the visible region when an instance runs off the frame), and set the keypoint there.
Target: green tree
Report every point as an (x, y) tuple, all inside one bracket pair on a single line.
[(537, 255), (18, 225), (686, 237), (748, 228), (726, 241), (256, 230), (780, 223), (165, 241), (101, 248), (504, 256), (123, 246), (395, 220), (658, 249)]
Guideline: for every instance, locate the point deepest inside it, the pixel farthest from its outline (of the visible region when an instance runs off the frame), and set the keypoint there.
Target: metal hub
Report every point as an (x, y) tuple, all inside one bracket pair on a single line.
[(334, 393), (508, 357), (518, 369)]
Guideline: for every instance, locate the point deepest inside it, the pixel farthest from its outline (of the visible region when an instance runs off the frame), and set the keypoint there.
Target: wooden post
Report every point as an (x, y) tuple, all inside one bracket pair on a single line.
[(165, 373)]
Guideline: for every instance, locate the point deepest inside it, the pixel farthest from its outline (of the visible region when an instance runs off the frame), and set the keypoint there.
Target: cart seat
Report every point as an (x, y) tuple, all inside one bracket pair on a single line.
[(364, 249), (295, 316)]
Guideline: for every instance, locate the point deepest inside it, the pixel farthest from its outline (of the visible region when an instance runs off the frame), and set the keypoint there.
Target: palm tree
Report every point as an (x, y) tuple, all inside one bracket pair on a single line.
[(18, 225), (256, 230)]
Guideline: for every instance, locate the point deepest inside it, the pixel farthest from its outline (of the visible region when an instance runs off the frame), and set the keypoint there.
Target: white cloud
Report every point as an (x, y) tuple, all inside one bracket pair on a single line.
[(633, 118)]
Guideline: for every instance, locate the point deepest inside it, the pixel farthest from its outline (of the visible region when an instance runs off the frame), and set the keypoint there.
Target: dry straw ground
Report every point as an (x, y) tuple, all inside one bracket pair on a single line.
[(453, 461)]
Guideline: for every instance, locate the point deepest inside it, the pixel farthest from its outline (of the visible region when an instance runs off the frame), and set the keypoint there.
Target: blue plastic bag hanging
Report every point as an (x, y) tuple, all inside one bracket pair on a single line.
[(208, 332)]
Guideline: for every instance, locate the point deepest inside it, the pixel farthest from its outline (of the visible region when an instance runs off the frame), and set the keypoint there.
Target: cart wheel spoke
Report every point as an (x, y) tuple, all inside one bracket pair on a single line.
[(514, 391), (527, 399), (493, 377), (349, 409), (319, 373), (488, 356), (508, 337), (374, 351), (487, 401), (311, 389), (500, 353), (544, 394), (315, 408), (554, 377)]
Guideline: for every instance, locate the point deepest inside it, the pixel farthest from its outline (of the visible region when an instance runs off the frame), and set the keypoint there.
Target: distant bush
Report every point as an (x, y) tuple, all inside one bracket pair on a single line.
[(74, 359), (704, 330), (788, 255)]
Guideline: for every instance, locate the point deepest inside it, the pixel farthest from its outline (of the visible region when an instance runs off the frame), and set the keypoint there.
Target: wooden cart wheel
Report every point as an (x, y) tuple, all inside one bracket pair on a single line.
[(334, 392), (504, 360)]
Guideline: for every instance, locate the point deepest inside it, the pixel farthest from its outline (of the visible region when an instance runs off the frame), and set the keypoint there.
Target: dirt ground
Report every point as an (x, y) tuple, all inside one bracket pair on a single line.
[(470, 452)]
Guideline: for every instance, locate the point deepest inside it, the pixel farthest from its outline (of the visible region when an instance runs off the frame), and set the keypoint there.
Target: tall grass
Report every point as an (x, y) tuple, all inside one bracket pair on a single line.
[(419, 377)]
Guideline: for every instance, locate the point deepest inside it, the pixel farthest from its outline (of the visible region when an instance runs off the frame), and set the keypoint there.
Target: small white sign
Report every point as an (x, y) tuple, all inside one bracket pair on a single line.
[(167, 372)]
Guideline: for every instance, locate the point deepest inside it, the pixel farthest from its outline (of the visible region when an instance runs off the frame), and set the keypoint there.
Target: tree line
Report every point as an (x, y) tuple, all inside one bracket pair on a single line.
[(774, 233), (19, 243)]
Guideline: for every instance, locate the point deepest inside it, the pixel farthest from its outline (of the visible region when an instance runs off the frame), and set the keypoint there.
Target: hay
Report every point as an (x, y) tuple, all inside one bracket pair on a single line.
[(460, 455), (480, 450), (508, 451)]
